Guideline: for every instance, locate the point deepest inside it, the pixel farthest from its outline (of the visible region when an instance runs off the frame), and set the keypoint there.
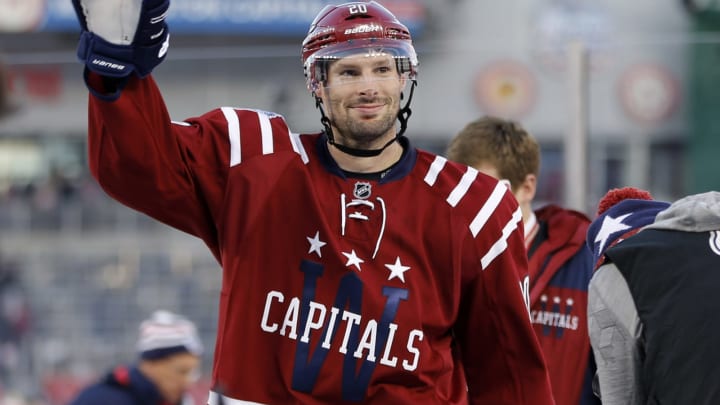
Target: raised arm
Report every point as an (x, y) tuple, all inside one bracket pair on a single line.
[(174, 172)]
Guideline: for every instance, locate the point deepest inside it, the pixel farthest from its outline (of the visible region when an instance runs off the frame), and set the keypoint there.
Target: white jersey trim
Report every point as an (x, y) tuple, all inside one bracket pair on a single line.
[(298, 146), (233, 134), (462, 188), (487, 209), (434, 171), (267, 133), (501, 244), (214, 399)]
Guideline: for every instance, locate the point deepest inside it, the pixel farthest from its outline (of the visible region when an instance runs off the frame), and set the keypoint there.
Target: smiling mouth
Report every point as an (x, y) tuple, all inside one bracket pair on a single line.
[(368, 109)]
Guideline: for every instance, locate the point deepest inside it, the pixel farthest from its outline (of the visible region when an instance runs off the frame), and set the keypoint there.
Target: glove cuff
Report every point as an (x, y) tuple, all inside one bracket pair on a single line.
[(111, 60), (103, 87)]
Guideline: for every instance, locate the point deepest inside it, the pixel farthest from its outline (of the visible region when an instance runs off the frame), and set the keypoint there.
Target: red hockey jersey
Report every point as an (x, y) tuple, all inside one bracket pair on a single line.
[(335, 290)]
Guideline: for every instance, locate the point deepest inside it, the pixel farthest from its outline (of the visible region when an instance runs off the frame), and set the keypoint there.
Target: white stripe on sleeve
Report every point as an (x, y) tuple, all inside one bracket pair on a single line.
[(233, 133), (487, 209), (462, 188), (298, 146), (434, 170), (267, 133), (501, 244)]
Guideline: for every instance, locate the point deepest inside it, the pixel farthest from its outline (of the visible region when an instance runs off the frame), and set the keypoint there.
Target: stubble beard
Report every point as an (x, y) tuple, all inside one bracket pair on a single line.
[(364, 133)]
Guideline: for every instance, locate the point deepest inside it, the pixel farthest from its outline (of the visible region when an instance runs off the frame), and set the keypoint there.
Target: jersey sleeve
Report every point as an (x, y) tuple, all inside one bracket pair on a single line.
[(173, 172), (502, 358), (177, 172), (614, 327)]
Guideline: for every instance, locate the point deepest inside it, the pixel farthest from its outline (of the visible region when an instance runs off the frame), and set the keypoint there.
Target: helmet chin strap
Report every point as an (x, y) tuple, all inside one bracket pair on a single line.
[(403, 116)]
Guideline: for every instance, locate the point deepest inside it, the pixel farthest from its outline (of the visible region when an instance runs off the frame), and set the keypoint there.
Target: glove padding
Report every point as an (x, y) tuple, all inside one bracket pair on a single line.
[(122, 36)]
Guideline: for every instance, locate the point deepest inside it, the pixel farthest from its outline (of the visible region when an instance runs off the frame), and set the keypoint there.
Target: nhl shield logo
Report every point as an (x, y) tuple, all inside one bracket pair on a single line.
[(362, 190)]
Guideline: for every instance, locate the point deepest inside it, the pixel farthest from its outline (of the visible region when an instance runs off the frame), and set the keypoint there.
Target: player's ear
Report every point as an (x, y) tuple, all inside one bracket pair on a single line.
[(319, 91), (526, 190)]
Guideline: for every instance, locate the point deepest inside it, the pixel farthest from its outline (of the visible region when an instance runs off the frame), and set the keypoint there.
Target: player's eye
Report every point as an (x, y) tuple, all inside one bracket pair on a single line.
[(348, 73)]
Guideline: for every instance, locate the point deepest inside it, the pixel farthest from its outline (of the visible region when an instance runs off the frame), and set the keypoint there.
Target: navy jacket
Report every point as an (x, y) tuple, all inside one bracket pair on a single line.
[(122, 386)]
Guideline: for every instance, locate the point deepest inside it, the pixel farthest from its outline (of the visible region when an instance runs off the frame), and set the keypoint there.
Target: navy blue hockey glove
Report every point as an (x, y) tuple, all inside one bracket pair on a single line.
[(120, 37)]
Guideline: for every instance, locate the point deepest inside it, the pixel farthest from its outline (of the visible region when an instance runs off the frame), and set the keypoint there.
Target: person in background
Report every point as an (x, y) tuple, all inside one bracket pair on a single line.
[(169, 352), (653, 300), (560, 265), (15, 325)]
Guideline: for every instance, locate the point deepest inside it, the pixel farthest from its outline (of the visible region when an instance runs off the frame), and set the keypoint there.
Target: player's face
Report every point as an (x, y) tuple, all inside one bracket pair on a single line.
[(174, 375), (362, 99)]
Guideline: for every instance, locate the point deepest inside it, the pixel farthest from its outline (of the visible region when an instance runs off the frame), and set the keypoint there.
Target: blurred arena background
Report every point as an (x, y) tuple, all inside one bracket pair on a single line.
[(618, 93)]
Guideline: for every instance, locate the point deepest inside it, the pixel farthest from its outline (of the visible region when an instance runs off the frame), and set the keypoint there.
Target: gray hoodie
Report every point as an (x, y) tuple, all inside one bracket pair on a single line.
[(694, 213)]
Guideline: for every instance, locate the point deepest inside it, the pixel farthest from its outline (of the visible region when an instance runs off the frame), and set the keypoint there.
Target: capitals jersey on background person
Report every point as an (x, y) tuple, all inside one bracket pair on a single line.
[(335, 290), (560, 267)]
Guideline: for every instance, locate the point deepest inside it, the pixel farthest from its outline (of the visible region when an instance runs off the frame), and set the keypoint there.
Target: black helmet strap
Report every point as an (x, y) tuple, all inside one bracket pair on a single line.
[(403, 116)]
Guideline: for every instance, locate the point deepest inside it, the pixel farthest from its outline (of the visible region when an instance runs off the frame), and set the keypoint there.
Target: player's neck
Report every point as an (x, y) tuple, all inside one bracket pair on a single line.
[(371, 164), (527, 211), (530, 226)]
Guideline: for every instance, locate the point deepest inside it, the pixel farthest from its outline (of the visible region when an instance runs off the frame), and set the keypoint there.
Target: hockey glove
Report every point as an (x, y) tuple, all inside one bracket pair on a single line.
[(120, 37)]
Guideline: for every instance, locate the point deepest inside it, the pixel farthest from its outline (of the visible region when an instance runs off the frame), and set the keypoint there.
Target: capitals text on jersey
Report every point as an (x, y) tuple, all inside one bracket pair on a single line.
[(304, 315)]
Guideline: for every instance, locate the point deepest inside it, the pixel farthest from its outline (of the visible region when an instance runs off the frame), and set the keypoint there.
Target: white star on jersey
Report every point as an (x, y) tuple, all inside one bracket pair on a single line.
[(397, 270), (353, 260), (610, 226), (316, 244)]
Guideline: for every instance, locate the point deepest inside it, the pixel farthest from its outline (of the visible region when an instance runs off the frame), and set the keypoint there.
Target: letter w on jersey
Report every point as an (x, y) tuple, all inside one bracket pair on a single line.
[(347, 310)]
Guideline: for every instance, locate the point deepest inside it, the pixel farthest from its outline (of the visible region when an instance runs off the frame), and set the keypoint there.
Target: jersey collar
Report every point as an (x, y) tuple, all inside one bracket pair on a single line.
[(401, 169)]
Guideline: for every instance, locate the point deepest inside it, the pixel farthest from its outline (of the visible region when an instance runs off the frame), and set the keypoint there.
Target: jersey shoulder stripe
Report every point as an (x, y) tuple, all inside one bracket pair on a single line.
[(233, 134), (501, 244), (254, 132), (464, 188), (435, 168), (488, 208), (478, 198)]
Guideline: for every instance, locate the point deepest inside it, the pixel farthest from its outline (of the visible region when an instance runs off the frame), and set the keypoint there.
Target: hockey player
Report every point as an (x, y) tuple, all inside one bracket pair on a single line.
[(560, 265), (653, 301), (356, 268)]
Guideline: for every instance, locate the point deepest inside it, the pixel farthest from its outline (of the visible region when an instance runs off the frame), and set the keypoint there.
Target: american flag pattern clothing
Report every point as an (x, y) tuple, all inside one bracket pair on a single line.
[(335, 290)]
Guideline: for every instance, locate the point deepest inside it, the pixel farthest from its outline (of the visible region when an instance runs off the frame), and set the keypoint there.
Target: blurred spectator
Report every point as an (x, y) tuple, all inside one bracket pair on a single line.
[(14, 323), (169, 350)]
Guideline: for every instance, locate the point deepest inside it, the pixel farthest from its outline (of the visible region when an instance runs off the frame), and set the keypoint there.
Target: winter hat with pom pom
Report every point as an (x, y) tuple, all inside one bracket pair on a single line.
[(165, 334), (622, 212)]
